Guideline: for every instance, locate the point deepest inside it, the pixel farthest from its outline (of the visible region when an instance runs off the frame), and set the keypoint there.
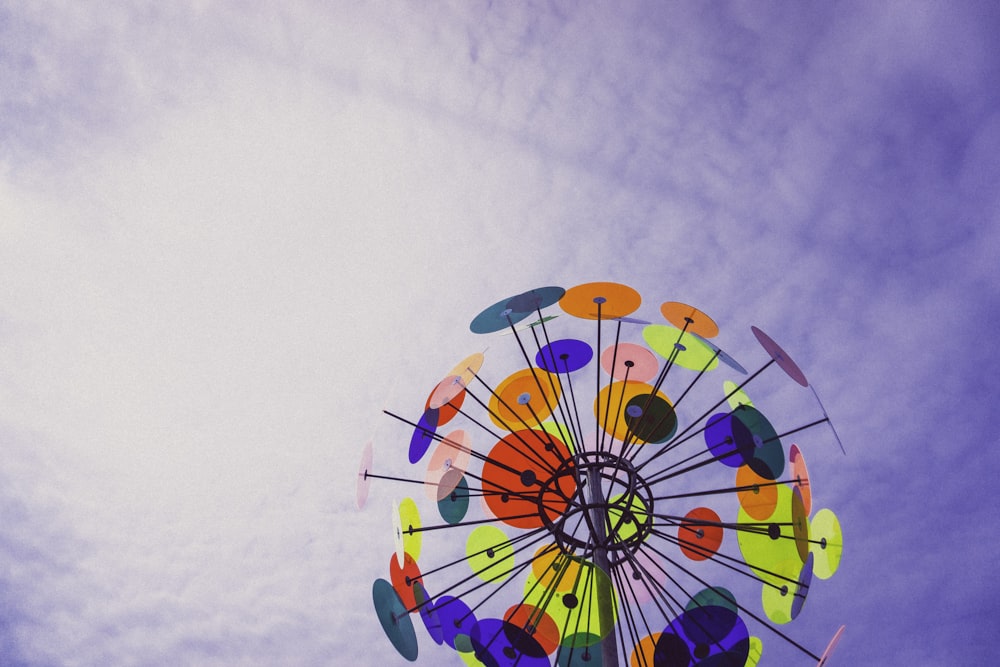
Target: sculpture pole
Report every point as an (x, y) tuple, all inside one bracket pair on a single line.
[(605, 603)]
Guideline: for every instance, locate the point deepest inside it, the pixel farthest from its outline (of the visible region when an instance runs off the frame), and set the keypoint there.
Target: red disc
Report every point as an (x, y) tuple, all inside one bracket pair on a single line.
[(699, 534)]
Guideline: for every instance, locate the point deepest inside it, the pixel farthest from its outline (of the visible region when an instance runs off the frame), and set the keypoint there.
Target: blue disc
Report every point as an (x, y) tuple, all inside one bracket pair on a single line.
[(564, 356), (423, 434)]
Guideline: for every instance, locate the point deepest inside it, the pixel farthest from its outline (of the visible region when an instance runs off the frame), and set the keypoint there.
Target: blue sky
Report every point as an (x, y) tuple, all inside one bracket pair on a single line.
[(228, 231)]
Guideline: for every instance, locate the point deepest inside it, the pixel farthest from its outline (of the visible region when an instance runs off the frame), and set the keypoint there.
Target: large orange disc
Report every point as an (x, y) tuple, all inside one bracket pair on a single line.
[(515, 476), (606, 301)]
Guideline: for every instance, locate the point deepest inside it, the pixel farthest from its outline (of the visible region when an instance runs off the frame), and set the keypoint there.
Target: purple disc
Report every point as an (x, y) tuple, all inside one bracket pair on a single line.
[(802, 588), (427, 612), (704, 635), (423, 434), (456, 618), (564, 356), (729, 439)]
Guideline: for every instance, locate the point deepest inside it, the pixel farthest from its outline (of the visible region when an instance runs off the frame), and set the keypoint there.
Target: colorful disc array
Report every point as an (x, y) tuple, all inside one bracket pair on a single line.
[(581, 510)]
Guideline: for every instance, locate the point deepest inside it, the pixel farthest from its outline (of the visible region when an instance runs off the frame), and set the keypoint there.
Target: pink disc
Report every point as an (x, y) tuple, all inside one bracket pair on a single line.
[(648, 577), (800, 476), (446, 391), (452, 453), (779, 355), (364, 481), (829, 647), (630, 360)]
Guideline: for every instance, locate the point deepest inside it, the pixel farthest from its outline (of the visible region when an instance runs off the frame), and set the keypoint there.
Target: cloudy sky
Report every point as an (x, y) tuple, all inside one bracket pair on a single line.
[(231, 233)]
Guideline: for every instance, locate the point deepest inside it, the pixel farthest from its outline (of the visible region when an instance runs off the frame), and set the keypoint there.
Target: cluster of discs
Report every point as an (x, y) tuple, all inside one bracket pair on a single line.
[(588, 535)]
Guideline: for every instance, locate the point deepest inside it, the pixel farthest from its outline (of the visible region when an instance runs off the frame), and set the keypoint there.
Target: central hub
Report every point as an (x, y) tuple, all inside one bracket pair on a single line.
[(611, 510)]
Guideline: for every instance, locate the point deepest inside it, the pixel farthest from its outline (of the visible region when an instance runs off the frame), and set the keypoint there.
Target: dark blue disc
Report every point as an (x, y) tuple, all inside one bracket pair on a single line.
[(497, 317), (536, 299), (767, 455), (508, 312), (454, 506)]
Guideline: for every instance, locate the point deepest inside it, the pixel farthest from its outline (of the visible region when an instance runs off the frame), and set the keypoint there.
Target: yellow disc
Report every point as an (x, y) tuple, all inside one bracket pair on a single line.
[(737, 397), (559, 431), (573, 605), (489, 553), (827, 543), (409, 518), (756, 650), (687, 351), (767, 543), (625, 520), (777, 599)]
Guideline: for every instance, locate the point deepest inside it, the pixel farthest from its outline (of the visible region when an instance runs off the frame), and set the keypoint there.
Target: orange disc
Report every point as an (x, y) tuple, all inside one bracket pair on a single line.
[(760, 500), (554, 570), (698, 534), (538, 624), (644, 651), (525, 398), (447, 397), (800, 525), (606, 301), (681, 315)]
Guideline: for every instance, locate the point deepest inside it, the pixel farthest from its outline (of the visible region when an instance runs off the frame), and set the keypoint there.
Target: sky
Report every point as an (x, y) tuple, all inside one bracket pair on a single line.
[(231, 234)]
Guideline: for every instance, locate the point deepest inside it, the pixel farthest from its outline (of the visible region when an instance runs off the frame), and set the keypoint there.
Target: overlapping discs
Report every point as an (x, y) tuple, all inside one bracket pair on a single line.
[(581, 495)]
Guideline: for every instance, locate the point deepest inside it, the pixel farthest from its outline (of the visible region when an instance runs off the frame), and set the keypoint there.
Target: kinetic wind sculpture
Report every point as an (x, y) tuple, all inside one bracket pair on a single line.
[(590, 500)]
